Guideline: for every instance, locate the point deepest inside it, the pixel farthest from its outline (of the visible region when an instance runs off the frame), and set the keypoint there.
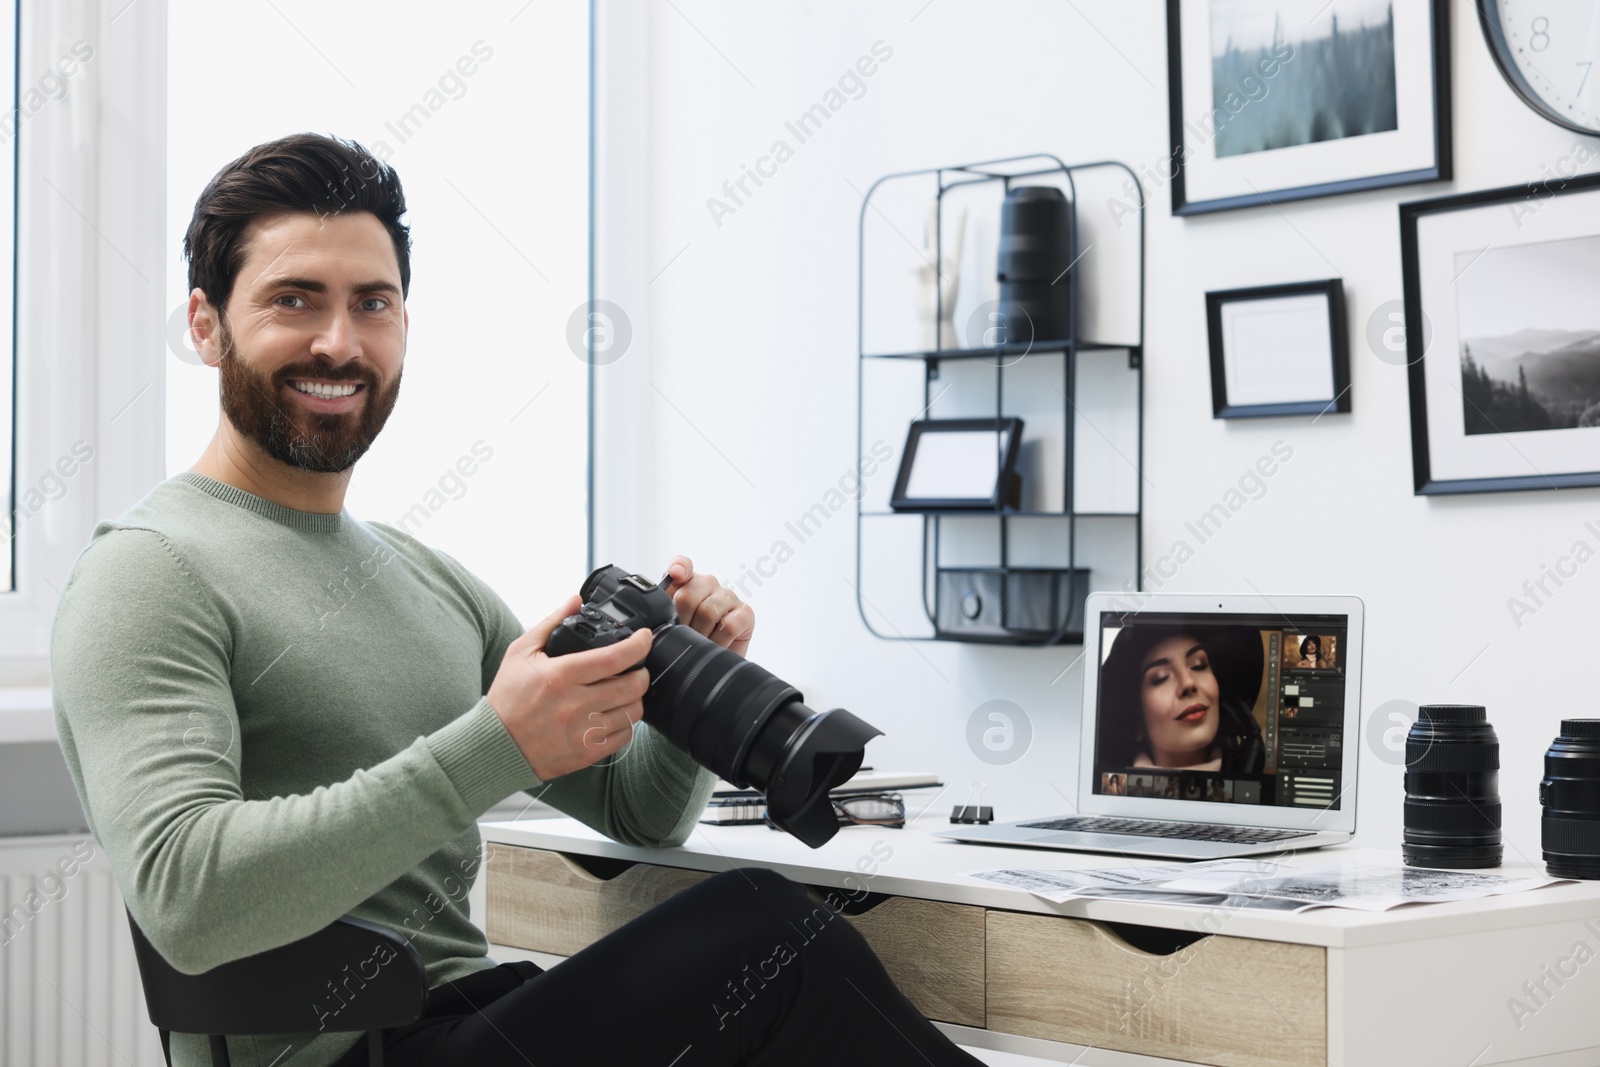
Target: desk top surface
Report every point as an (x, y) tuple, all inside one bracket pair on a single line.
[(911, 863)]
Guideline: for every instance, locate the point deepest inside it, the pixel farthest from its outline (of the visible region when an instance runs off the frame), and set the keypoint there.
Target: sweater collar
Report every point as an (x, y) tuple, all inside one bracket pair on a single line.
[(316, 522)]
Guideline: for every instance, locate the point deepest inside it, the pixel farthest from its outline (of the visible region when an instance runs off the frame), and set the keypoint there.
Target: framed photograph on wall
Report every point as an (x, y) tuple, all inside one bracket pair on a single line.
[(1278, 350), (1503, 337), (1276, 100)]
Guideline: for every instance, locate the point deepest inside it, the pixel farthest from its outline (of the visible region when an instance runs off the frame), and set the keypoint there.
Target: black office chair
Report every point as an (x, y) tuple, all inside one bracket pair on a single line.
[(279, 991)]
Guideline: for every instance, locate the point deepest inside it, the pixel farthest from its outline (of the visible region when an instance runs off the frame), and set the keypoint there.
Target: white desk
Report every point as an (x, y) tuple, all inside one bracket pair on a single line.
[(1424, 984)]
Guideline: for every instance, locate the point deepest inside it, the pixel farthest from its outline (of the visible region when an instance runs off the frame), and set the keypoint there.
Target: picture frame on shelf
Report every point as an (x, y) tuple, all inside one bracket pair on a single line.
[(1271, 101), (1503, 337), (1279, 350), (953, 464)]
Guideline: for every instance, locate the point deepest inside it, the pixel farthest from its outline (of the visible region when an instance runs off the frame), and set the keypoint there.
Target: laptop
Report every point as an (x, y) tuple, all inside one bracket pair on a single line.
[(1212, 726)]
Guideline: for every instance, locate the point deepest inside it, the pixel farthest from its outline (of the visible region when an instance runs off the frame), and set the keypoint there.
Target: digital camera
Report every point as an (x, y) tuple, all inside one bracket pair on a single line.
[(730, 715)]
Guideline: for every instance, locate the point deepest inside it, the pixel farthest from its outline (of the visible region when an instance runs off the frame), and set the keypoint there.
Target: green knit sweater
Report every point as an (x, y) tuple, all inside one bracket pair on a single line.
[(275, 718)]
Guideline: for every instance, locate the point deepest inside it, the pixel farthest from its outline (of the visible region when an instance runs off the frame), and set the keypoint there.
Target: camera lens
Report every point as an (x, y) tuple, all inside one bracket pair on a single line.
[(728, 714), (1570, 797), (1035, 251), (1452, 807), (752, 728)]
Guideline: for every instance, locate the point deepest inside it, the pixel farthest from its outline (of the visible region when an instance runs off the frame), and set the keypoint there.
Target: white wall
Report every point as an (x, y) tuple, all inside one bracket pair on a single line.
[(751, 336)]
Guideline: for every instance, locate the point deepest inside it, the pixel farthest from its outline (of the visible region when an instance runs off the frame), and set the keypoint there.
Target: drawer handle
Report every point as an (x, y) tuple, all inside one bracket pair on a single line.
[(1154, 940), (600, 868), (846, 902)]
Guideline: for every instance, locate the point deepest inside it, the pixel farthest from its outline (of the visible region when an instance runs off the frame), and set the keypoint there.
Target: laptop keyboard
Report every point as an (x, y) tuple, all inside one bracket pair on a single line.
[(1184, 831)]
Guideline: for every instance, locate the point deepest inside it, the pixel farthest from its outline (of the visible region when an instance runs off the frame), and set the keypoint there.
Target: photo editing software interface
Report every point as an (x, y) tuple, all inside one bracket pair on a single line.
[(1238, 709)]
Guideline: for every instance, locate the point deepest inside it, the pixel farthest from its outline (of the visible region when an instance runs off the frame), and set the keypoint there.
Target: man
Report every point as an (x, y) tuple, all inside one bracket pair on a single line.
[(257, 765)]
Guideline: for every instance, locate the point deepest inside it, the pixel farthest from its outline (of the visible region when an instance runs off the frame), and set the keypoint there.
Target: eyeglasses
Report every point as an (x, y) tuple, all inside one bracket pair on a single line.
[(871, 809), (864, 809)]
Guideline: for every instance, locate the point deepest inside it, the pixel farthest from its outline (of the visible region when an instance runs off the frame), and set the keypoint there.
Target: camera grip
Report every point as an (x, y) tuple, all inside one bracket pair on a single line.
[(579, 634)]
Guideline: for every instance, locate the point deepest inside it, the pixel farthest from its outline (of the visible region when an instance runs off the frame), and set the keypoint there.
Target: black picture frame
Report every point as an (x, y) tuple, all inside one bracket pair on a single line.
[(1439, 169), (1005, 458), (1332, 289), (1523, 203)]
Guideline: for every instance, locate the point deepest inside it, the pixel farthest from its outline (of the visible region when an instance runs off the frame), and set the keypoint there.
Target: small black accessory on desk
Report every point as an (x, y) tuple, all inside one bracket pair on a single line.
[(959, 463), (1035, 252), (972, 813), (1452, 808), (1570, 797), (730, 715)]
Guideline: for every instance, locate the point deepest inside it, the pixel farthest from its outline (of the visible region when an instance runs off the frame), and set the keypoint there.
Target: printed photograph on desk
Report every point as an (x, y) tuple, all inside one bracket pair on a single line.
[(1265, 885), (1246, 712), (1505, 368), (1275, 100)]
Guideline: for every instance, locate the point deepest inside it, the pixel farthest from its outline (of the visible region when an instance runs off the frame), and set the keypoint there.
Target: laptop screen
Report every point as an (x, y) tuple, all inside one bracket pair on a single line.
[(1226, 708)]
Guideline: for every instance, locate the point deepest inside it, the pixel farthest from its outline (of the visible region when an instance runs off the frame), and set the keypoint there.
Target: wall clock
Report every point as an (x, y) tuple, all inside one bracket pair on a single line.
[(1548, 50)]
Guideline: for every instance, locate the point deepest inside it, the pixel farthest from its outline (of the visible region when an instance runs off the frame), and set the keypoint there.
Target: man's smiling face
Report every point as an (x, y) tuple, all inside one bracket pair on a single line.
[(312, 343)]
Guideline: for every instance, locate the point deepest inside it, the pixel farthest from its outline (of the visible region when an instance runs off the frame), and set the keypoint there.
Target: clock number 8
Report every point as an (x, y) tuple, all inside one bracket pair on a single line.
[(1541, 34)]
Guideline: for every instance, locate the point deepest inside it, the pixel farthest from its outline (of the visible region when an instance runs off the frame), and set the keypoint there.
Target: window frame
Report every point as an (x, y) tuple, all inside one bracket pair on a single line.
[(622, 488), (90, 313)]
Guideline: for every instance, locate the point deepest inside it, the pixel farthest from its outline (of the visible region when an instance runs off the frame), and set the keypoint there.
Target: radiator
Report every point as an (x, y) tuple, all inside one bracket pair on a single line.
[(69, 986)]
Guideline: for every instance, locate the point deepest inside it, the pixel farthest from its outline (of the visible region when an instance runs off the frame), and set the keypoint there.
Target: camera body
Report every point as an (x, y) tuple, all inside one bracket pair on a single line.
[(730, 715), (615, 604)]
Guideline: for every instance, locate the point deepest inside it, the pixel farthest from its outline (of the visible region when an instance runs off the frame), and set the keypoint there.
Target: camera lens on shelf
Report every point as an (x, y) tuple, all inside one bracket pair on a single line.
[(1452, 806), (1035, 254), (1570, 797)]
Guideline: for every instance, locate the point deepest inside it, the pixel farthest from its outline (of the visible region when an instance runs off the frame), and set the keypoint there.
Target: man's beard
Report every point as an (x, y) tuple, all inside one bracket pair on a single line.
[(306, 440)]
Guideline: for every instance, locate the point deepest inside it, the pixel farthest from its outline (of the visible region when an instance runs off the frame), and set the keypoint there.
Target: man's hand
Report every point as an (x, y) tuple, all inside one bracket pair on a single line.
[(569, 712), (710, 608)]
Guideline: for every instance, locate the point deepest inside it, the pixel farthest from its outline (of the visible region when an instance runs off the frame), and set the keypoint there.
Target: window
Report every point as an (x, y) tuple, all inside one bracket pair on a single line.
[(82, 410), (482, 109), (12, 488)]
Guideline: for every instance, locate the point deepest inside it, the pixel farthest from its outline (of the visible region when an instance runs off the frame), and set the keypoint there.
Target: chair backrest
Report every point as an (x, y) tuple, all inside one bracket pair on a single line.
[(350, 975)]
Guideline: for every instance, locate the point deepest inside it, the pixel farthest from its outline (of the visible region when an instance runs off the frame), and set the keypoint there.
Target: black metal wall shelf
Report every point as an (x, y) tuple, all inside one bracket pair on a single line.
[(1003, 351), (998, 600), (1006, 513)]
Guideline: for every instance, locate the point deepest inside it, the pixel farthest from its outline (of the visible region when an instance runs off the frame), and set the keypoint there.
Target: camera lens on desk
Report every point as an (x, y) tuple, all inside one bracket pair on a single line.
[(1570, 797), (1452, 808)]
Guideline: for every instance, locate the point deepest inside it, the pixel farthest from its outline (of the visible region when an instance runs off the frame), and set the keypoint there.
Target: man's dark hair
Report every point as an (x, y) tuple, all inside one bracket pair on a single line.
[(302, 172)]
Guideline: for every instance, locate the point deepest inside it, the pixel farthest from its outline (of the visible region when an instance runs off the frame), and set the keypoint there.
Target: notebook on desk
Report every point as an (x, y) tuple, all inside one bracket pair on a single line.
[(1212, 726)]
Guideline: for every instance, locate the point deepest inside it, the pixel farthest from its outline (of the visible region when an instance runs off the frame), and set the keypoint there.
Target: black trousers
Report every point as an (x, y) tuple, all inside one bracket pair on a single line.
[(744, 968)]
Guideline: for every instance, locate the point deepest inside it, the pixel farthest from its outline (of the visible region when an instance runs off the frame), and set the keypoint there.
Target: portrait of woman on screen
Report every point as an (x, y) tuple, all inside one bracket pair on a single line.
[(1181, 698)]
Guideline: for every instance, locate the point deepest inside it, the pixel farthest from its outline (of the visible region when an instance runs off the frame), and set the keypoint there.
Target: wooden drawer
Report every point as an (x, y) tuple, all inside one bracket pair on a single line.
[(550, 902), (1222, 1000), (934, 953)]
